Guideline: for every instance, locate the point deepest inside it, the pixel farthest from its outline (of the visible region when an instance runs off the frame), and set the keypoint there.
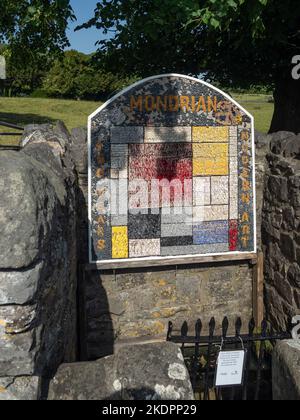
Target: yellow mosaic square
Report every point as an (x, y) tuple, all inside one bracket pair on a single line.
[(210, 134), (119, 242), (210, 159)]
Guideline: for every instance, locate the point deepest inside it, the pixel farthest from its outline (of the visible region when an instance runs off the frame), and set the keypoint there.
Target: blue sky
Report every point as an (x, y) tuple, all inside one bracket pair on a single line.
[(83, 40)]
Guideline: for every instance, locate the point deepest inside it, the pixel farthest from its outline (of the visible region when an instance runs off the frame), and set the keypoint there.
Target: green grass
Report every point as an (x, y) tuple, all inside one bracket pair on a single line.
[(24, 111), (259, 107)]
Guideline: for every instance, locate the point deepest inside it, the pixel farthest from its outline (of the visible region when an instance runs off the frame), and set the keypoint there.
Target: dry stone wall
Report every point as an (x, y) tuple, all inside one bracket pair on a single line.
[(38, 266), (281, 229), (44, 235), (135, 305)]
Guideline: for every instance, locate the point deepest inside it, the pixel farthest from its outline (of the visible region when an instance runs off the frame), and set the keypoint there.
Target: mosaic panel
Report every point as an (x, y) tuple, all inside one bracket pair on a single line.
[(171, 173)]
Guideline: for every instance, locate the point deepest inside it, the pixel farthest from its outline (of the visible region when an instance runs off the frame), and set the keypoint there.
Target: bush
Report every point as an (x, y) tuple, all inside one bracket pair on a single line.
[(75, 77), (39, 93)]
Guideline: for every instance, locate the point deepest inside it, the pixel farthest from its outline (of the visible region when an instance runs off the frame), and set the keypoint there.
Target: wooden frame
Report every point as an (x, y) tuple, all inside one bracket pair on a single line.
[(127, 264), (258, 290)]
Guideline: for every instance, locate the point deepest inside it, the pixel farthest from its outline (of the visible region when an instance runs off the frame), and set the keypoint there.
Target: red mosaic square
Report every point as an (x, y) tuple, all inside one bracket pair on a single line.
[(233, 235), (163, 161)]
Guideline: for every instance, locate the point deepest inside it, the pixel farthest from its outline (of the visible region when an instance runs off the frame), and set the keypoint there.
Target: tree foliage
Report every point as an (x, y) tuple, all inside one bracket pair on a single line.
[(75, 76), (34, 30), (236, 41)]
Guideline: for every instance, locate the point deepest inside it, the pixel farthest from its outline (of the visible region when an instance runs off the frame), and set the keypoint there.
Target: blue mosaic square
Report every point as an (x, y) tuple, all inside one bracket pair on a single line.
[(211, 233)]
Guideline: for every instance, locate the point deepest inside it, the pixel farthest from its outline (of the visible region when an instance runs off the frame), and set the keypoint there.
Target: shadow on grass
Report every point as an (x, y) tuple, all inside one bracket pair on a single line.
[(24, 119), (21, 120)]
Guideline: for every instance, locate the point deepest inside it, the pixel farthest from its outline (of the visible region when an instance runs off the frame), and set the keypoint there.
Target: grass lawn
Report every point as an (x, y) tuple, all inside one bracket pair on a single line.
[(259, 107), (24, 111)]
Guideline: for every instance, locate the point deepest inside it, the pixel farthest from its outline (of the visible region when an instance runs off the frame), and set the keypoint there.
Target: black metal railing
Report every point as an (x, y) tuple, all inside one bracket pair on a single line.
[(201, 354), (11, 133)]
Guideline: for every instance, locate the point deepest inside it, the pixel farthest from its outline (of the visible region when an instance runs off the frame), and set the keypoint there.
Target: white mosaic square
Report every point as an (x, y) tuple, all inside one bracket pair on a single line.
[(201, 191), (219, 189), (144, 248), (233, 131), (119, 173), (210, 213), (119, 198)]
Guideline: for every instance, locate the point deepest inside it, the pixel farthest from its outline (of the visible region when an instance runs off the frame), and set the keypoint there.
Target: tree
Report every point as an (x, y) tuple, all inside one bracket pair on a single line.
[(34, 31), (236, 42), (75, 77)]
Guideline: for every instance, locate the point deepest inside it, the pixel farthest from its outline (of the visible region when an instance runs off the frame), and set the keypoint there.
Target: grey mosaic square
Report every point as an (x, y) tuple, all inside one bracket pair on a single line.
[(168, 134), (119, 220), (144, 226), (177, 230), (177, 241), (194, 250), (119, 156), (127, 135), (185, 216)]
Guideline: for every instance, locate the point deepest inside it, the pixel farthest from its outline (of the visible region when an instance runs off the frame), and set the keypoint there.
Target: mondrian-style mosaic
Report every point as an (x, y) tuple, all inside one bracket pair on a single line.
[(171, 173)]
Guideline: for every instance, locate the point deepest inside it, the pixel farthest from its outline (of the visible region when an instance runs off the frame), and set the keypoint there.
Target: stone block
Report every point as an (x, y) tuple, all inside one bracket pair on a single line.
[(141, 372), (26, 388), (286, 371)]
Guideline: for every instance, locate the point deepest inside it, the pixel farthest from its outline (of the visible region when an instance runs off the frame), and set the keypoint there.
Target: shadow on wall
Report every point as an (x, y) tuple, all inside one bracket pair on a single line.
[(94, 314), (98, 329)]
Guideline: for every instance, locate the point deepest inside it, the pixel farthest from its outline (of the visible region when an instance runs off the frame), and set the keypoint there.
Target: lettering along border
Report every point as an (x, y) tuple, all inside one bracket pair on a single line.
[(146, 262)]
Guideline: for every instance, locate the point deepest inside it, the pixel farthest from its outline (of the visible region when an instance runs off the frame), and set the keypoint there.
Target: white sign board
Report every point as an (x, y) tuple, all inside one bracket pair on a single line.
[(2, 68), (230, 369)]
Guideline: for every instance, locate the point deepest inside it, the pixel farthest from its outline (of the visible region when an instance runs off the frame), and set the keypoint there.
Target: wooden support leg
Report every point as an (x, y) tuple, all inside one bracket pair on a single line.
[(258, 290)]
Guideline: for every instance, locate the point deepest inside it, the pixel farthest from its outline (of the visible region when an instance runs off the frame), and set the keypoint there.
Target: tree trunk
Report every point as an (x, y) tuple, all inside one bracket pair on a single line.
[(287, 106)]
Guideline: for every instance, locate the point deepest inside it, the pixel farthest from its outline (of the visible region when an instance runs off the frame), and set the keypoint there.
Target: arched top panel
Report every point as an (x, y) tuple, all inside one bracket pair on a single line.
[(172, 98)]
